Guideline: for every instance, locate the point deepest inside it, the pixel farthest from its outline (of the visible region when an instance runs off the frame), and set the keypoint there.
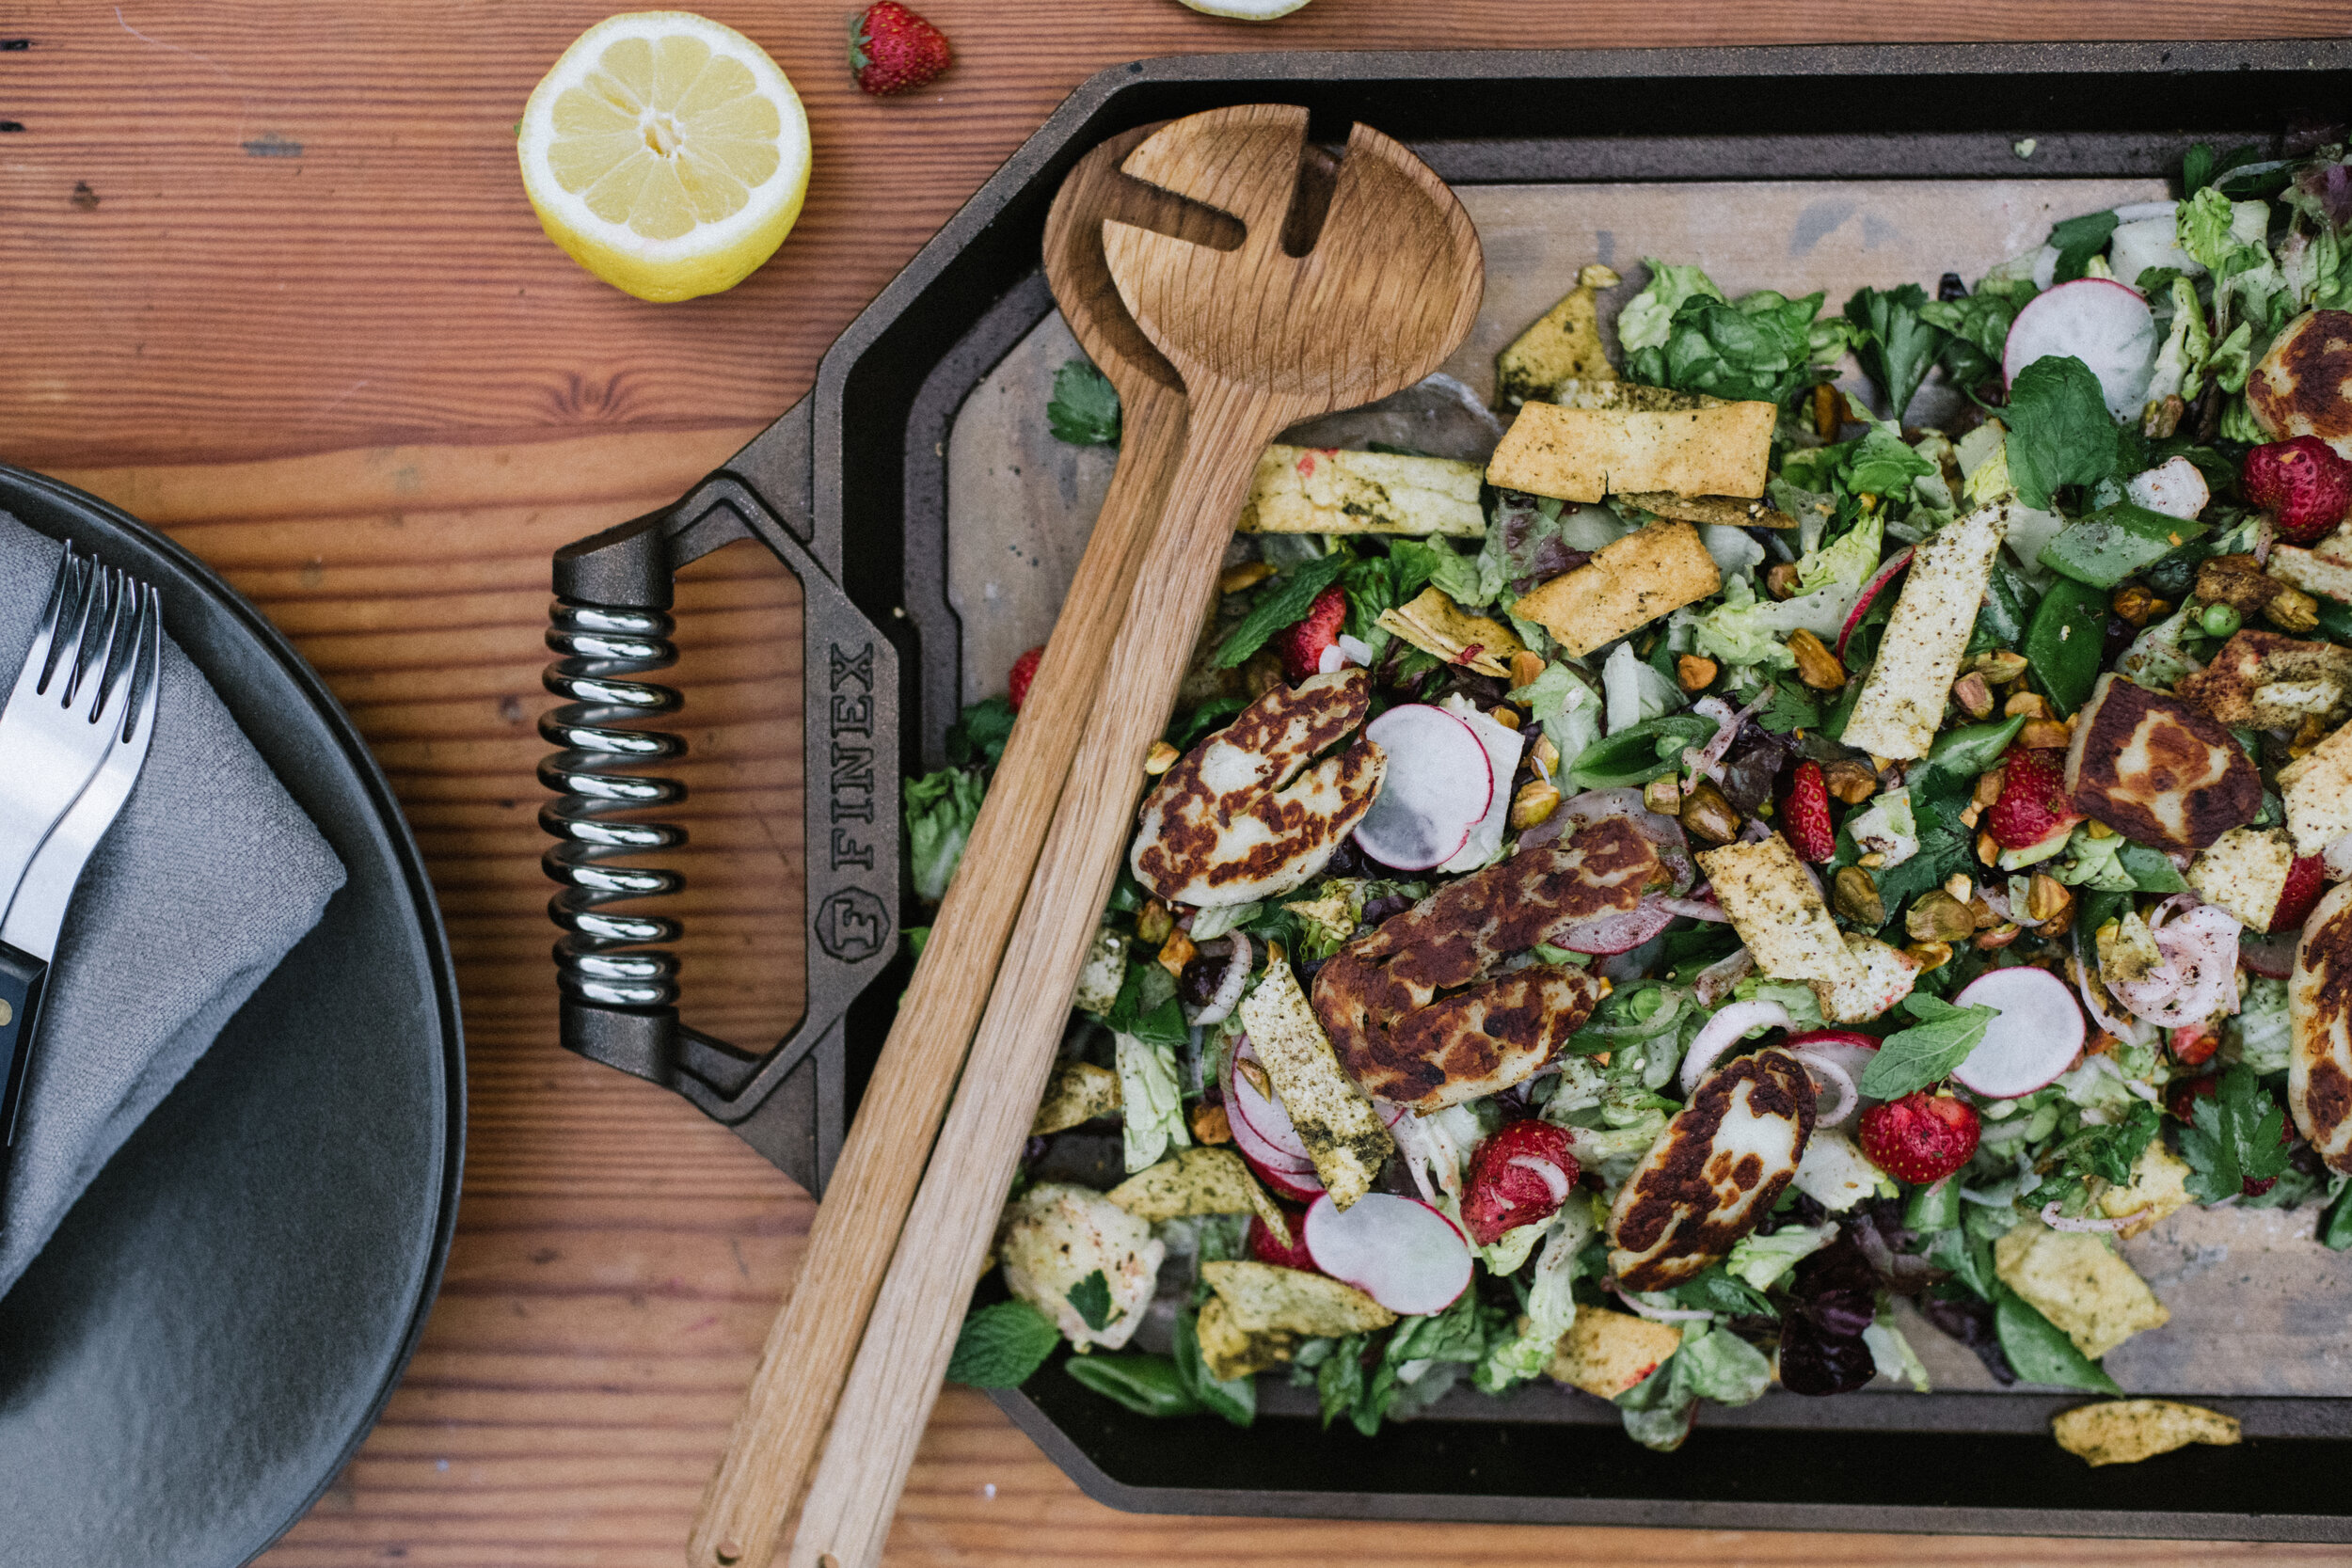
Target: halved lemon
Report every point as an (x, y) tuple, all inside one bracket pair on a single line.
[(665, 154)]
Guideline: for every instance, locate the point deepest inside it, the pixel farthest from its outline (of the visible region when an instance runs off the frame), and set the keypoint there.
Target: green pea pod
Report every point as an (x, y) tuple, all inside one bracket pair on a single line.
[(1631, 756), (2151, 869), (1935, 1207), (2007, 606), (2116, 541), (1235, 1398), (1973, 748), (2039, 1350), (2335, 1231), (2066, 640), (1147, 1385)]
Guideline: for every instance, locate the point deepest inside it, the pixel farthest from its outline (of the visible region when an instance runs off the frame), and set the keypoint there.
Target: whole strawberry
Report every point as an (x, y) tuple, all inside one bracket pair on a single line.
[(1921, 1137), (2305, 880), (1024, 671), (1301, 646), (1267, 1248), (2033, 802), (1804, 816), (893, 49), (1519, 1176), (2302, 484)]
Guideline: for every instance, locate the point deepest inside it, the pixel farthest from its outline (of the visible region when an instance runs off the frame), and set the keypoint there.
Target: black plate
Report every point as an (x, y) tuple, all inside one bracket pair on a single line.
[(221, 1317)]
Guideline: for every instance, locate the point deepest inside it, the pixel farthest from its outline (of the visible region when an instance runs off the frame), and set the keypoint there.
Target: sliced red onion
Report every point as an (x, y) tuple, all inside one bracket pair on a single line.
[(1615, 933), (1230, 985), (1715, 981), (2272, 956), (1697, 909), (1720, 1031), (1414, 1144), (1829, 1075), (2099, 1014), (1709, 759), (2199, 977), (1555, 1181), (2055, 1221), (1357, 651), (1659, 1314), (1755, 830)]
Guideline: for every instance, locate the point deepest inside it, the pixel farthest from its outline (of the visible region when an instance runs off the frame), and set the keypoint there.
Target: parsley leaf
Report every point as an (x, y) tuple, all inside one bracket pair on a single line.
[(1927, 1051), (1092, 1297), (1791, 708), (1147, 1008), (2059, 431), (1000, 1346), (1975, 330), (2077, 240), (2235, 1138), (2108, 1152), (1282, 607), (1896, 344), (1084, 408)]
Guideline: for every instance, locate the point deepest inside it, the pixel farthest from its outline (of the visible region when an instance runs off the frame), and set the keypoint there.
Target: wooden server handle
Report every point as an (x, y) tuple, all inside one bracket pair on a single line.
[(792, 1396), (912, 1330)]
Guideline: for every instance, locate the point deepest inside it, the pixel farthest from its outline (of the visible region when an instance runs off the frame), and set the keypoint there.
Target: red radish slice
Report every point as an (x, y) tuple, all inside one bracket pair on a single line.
[(1399, 1251), (1615, 933), (1871, 590), (1297, 1186), (2036, 1035), (2102, 323), (1436, 787), (1266, 1248), (1264, 1113), (2271, 956)]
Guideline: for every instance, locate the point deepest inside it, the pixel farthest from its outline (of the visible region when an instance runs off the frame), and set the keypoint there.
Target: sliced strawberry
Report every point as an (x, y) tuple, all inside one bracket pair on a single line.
[(1266, 1248), (2302, 484), (2193, 1044), (1301, 645), (1921, 1137), (1519, 1176), (2033, 802), (1024, 671), (1804, 816), (2305, 880)]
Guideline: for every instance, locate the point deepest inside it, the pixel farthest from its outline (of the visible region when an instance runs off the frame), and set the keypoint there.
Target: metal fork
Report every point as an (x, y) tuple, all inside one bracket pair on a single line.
[(78, 672)]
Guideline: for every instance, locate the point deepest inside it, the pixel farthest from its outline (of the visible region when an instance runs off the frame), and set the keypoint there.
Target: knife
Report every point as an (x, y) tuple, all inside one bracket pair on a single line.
[(28, 934)]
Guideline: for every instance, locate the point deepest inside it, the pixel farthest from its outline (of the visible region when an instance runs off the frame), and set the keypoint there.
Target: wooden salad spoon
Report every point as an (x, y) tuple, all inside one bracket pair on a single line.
[(791, 1398), (1263, 339)]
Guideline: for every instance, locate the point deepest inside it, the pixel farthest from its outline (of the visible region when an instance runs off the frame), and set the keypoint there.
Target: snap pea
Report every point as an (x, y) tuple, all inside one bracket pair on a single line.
[(1933, 1208), (2151, 869), (1147, 1385), (2116, 541), (2066, 640), (1640, 752)]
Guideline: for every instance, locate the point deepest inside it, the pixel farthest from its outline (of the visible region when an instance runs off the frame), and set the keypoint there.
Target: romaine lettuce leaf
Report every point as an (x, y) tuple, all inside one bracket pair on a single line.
[(1643, 323), (940, 809)]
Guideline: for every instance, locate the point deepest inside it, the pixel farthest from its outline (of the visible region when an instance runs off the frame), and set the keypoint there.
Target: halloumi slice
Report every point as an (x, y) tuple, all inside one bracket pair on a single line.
[(2317, 788), (2319, 1013), (1902, 699)]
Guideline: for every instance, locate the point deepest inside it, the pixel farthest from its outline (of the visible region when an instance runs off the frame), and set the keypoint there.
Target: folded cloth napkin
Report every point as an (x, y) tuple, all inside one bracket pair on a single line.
[(207, 880)]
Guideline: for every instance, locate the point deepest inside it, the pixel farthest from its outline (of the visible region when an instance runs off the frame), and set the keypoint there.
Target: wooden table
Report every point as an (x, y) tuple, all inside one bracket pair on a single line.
[(270, 283)]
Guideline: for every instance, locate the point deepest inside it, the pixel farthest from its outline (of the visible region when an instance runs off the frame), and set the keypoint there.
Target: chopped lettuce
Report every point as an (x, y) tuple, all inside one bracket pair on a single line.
[(1472, 581), (1733, 550), (940, 809), (2181, 362), (1804, 1008), (1893, 1355), (1635, 692), (1745, 631), (1882, 464), (1566, 706), (1643, 320), (1886, 827), (1763, 1262), (1717, 1363), (1153, 1107), (1763, 348), (1849, 562), (2264, 1042)]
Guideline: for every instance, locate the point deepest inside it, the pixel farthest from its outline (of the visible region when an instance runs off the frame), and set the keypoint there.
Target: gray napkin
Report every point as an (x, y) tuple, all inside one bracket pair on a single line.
[(207, 880)]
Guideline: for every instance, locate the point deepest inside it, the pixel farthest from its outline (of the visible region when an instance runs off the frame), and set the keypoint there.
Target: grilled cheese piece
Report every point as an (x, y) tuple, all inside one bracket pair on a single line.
[(2158, 769), (1903, 698), (2261, 680), (1714, 1173), (1055, 1235), (2302, 385), (2319, 1013)]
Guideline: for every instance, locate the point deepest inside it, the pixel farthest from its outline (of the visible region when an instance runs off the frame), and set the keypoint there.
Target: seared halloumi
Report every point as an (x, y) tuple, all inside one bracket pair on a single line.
[(1079, 1092), (1199, 1182), (1714, 1173), (1634, 580), (1564, 345), (1583, 455), (1436, 625), (1055, 1235), (1835, 1172), (1319, 490), (2069, 1277), (2261, 680), (2317, 788), (2312, 572), (2124, 1431), (1237, 821), (2244, 872), (1886, 975), (2298, 388), (1777, 910), (1343, 1135), (2158, 769), (1903, 698), (1607, 1353), (2319, 1013), (2159, 1188)]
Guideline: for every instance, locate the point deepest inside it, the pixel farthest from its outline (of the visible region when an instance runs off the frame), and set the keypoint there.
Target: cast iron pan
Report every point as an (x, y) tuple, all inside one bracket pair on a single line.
[(221, 1318)]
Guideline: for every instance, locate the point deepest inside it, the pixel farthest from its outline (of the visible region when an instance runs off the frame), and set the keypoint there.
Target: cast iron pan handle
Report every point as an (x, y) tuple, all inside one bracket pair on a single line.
[(618, 988)]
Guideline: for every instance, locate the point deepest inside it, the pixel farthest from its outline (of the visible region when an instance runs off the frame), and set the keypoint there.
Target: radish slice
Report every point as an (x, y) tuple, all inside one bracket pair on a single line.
[(1399, 1251), (1871, 590), (1842, 1049), (2102, 323), (1436, 787), (1230, 985), (2035, 1035), (1264, 1113), (2271, 956), (1615, 933), (1731, 1024), (1296, 1185), (1830, 1078)]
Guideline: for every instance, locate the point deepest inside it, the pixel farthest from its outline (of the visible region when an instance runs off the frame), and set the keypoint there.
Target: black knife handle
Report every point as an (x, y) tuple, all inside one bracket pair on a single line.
[(22, 981)]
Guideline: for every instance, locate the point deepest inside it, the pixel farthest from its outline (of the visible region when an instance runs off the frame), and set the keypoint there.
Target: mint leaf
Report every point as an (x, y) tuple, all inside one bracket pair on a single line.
[(2235, 1138), (1092, 1297), (2077, 240), (1235, 1398), (2059, 431), (1147, 1385), (1897, 344), (1147, 1008), (1927, 1051), (976, 739), (1084, 408), (2039, 1350), (1000, 1346), (1284, 605), (1715, 1289)]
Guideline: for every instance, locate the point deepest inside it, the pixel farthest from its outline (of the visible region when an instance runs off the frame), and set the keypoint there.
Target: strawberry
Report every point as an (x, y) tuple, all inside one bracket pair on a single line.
[(1301, 645), (1024, 671), (1921, 1137), (893, 49), (2182, 1095), (1804, 816), (1266, 1248), (2193, 1044), (2306, 880), (2033, 803), (2302, 484), (1519, 1176)]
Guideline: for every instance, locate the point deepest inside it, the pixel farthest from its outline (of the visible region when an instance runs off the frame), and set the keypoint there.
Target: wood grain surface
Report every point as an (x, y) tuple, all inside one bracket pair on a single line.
[(270, 283)]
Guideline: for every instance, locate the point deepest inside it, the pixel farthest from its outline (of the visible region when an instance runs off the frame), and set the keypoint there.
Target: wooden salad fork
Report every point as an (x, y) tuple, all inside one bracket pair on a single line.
[(1263, 335), (808, 1355)]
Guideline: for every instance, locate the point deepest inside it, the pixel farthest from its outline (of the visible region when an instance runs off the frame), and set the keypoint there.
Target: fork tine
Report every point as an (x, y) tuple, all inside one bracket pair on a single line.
[(35, 674), (100, 648), (146, 673)]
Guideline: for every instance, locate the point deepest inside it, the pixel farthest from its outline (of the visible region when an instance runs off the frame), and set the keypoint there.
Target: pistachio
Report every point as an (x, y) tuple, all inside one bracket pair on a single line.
[(1938, 917), (2162, 416), (1535, 801), (2098, 828), (1988, 848), (2027, 703), (1974, 696), (1983, 914), (2001, 666), (1780, 581), (1873, 860), (2135, 605), (1248, 575), (1663, 795), (1154, 922), (1817, 666), (1850, 781), (1544, 754), (1988, 787), (1931, 954), (1176, 952), (2042, 734), (1525, 666), (1997, 937), (1695, 674), (2292, 609), (1857, 897), (1829, 411), (1160, 758), (1209, 1124), (1707, 815), (1507, 716), (2049, 900)]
